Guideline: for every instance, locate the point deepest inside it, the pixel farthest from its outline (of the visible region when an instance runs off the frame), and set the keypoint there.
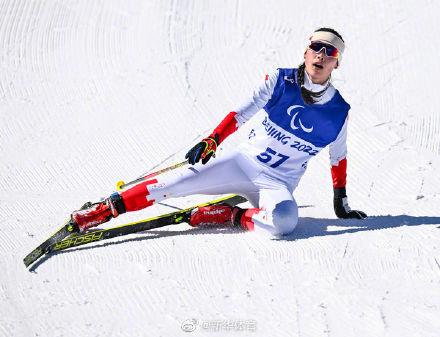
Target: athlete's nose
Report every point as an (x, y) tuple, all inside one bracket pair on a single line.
[(320, 55)]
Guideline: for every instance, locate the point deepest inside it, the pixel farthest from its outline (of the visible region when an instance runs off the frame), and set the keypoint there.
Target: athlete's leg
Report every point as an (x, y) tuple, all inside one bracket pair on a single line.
[(277, 213), (231, 173)]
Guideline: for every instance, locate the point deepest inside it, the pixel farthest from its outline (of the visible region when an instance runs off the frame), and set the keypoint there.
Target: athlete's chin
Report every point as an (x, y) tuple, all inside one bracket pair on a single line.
[(317, 76), (315, 71), (312, 70)]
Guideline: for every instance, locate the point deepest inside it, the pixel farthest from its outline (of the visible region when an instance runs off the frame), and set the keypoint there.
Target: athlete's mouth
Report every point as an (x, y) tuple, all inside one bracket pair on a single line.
[(319, 66)]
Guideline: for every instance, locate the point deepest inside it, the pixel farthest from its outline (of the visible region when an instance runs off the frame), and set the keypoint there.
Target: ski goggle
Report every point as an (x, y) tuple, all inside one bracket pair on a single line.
[(330, 50)]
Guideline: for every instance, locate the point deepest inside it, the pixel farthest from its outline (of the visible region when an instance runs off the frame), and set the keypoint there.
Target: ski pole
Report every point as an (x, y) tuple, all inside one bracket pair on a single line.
[(121, 184)]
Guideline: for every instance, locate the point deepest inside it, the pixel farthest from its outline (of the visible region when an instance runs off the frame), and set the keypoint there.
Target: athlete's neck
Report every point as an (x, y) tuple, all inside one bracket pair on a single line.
[(313, 86)]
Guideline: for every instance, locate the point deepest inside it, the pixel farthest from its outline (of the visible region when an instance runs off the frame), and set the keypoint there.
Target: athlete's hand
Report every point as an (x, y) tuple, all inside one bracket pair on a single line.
[(203, 150), (340, 204)]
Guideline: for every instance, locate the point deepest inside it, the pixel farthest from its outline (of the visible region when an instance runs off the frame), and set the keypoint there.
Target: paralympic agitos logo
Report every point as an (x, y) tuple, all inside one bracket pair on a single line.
[(293, 125)]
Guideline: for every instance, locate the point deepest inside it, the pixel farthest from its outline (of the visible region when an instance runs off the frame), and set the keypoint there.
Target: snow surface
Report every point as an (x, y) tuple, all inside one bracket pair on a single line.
[(97, 91)]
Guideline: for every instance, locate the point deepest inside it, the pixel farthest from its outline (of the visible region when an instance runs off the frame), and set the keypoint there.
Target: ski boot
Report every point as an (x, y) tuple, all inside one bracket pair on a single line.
[(226, 215), (92, 215), (216, 215)]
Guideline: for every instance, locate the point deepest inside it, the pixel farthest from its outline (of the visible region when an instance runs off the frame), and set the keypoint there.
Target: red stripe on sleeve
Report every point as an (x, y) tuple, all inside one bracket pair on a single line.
[(339, 174), (227, 127)]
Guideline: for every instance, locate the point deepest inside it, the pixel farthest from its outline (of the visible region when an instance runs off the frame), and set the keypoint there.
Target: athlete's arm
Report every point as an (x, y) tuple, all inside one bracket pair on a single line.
[(338, 160)]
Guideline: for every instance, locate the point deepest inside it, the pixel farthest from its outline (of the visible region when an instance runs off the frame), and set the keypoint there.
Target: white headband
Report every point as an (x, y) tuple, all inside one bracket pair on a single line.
[(329, 38)]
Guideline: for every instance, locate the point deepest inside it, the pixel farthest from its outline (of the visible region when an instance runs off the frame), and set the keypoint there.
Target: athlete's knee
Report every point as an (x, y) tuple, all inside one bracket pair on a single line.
[(285, 217)]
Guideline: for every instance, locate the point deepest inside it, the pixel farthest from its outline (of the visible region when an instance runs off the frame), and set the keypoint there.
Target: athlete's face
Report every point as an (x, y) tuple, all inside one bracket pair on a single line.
[(319, 66)]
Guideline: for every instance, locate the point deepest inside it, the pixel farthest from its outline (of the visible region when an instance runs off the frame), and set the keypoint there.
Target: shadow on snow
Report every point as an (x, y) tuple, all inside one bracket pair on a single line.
[(311, 227), (307, 228)]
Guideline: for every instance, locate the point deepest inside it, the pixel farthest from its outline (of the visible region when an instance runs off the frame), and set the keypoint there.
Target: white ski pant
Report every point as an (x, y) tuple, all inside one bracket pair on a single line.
[(234, 173)]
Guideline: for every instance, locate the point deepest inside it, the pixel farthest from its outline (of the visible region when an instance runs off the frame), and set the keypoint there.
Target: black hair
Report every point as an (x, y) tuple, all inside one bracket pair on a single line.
[(330, 30), (308, 96)]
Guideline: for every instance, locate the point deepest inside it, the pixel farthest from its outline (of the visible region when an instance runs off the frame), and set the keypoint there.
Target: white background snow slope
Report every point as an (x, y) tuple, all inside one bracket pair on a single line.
[(93, 92)]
